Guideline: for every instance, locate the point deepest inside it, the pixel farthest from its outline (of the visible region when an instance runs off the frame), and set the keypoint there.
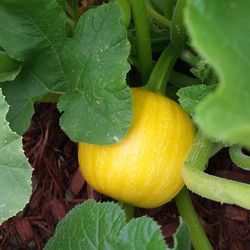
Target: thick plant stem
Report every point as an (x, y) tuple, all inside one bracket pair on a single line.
[(126, 12), (208, 186), (177, 32), (199, 159), (162, 70), (187, 212), (142, 38), (160, 20), (128, 209)]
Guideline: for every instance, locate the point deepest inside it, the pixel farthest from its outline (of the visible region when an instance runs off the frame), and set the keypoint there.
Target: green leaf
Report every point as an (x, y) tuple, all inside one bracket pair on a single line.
[(191, 96), (88, 226), (182, 239), (141, 233), (220, 32), (10, 75), (103, 226), (98, 107), (21, 94), (15, 178), (9, 68), (90, 67), (32, 34), (200, 70)]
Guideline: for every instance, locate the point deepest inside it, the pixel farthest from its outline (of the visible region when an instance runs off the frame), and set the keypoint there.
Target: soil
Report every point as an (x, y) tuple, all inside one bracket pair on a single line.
[(58, 186)]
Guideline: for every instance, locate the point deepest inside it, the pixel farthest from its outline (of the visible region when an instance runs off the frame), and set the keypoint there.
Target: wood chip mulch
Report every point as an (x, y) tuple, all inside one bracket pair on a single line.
[(58, 186)]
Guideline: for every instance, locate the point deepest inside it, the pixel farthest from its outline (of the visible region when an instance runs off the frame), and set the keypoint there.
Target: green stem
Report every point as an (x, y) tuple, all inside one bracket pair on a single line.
[(50, 97), (202, 149), (187, 212), (142, 38), (128, 209), (181, 80), (75, 10), (168, 8), (126, 12), (189, 58), (162, 70), (208, 186), (239, 158), (177, 31), (70, 27), (69, 10), (160, 20)]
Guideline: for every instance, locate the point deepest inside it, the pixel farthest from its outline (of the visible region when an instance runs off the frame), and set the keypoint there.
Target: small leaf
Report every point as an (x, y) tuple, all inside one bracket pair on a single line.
[(141, 233), (182, 239), (220, 32), (94, 226), (201, 70), (190, 97), (21, 94), (15, 178)]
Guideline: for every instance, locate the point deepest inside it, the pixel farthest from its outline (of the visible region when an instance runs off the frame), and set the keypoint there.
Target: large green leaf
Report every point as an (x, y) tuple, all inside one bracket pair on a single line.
[(94, 225), (98, 107), (90, 67), (15, 177), (32, 34), (220, 31)]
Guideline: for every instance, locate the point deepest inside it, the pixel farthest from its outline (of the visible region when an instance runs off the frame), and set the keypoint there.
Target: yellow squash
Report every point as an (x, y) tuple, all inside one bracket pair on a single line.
[(143, 169)]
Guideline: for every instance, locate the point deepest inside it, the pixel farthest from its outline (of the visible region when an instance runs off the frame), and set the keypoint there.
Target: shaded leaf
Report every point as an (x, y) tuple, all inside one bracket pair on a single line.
[(33, 35), (90, 67), (9, 68)]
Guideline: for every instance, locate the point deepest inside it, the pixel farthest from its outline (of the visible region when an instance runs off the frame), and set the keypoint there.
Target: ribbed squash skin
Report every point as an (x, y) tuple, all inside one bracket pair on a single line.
[(143, 169)]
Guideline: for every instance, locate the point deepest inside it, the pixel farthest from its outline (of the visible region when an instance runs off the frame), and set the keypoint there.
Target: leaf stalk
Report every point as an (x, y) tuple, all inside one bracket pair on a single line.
[(143, 43), (187, 212)]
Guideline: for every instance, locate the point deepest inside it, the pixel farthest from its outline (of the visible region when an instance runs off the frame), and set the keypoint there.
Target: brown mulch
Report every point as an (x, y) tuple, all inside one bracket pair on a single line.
[(58, 187)]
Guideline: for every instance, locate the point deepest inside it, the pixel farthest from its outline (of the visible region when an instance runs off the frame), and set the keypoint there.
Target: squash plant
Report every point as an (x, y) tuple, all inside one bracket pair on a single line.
[(49, 53)]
